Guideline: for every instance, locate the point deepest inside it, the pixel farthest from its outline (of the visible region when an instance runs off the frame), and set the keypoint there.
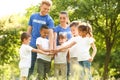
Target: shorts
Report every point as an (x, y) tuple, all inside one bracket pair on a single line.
[(24, 72)]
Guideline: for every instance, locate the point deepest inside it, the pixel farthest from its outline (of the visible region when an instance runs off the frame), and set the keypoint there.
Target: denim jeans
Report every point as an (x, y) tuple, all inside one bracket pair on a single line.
[(33, 60), (85, 71)]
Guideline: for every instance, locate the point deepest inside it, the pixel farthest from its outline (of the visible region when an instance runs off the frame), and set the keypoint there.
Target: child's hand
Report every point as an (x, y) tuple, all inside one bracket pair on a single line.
[(55, 51), (90, 59)]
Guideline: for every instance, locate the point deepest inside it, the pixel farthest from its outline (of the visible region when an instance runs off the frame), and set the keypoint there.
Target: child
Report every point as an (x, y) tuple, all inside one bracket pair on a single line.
[(73, 55), (62, 27), (25, 55), (43, 61), (84, 42), (36, 20), (60, 61), (73, 28)]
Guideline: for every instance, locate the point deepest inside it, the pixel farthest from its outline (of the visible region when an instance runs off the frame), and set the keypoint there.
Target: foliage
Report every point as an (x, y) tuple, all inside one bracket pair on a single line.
[(104, 15), (10, 29)]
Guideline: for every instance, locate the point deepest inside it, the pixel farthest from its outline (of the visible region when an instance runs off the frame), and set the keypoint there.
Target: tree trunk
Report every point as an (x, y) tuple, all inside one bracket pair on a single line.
[(107, 59)]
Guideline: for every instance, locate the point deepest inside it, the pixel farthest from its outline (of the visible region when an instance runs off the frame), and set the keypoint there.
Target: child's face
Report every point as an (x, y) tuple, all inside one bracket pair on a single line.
[(82, 33), (27, 41), (44, 33), (74, 30), (62, 40)]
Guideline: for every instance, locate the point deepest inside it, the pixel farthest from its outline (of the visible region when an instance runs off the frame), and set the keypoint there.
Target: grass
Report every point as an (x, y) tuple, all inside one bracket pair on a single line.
[(11, 72)]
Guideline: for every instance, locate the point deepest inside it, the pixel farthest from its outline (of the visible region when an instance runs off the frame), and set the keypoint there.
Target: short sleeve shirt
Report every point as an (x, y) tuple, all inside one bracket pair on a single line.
[(25, 56), (36, 21), (44, 43), (58, 29)]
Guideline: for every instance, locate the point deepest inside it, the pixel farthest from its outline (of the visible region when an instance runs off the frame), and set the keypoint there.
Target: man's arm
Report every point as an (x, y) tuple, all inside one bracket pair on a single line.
[(51, 39), (29, 30), (54, 40)]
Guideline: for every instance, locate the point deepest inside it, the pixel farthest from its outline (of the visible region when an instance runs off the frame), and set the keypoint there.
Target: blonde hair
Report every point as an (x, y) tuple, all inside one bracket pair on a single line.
[(47, 2), (74, 23)]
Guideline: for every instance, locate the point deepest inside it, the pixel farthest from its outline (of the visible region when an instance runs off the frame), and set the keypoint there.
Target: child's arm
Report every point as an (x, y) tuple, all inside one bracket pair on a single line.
[(61, 48), (68, 57), (94, 52), (39, 51)]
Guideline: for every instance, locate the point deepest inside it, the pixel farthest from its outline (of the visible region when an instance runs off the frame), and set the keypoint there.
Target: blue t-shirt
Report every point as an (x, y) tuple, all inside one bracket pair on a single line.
[(58, 29), (36, 21)]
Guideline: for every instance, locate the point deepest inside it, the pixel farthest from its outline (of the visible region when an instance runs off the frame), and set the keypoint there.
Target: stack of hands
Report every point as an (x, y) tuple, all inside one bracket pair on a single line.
[(53, 52)]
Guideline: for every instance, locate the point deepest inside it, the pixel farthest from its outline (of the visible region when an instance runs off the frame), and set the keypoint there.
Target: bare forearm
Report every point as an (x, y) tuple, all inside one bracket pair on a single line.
[(54, 40), (38, 51), (94, 51), (29, 30), (51, 39), (40, 48), (66, 47)]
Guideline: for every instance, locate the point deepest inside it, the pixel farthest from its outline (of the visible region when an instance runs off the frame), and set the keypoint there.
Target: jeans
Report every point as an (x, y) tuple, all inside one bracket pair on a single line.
[(85, 71), (33, 60)]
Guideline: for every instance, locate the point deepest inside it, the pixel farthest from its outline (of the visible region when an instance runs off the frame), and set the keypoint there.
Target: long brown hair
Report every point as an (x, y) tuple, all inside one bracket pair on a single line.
[(89, 28)]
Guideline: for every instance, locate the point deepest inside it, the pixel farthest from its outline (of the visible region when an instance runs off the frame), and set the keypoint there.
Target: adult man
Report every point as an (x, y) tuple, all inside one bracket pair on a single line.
[(35, 22)]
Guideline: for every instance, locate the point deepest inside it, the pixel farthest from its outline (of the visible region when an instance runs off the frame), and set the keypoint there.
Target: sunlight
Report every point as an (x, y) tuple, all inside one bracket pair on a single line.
[(8, 7)]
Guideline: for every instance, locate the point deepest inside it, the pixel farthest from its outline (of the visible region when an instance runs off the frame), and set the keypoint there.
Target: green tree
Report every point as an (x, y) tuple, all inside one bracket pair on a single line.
[(103, 15), (10, 30)]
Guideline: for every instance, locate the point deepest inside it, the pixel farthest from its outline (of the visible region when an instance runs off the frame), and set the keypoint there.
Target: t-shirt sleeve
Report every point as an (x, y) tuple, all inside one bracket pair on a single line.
[(74, 39), (30, 20), (50, 23), (55, 29), (38, 41), (70, 41), (29, 48), (91, 40)]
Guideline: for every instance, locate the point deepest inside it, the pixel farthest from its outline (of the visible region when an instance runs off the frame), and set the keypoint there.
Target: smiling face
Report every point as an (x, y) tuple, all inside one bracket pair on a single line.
[(83, 30), (44, 9), (63, 19), (62, 39), (44, 33), (27, 40), (74, 30), (82, 33)]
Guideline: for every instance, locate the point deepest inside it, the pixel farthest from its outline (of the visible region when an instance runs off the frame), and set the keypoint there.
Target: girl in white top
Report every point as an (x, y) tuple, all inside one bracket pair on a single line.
[(60, 59), (84, 42), (25, 55)]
